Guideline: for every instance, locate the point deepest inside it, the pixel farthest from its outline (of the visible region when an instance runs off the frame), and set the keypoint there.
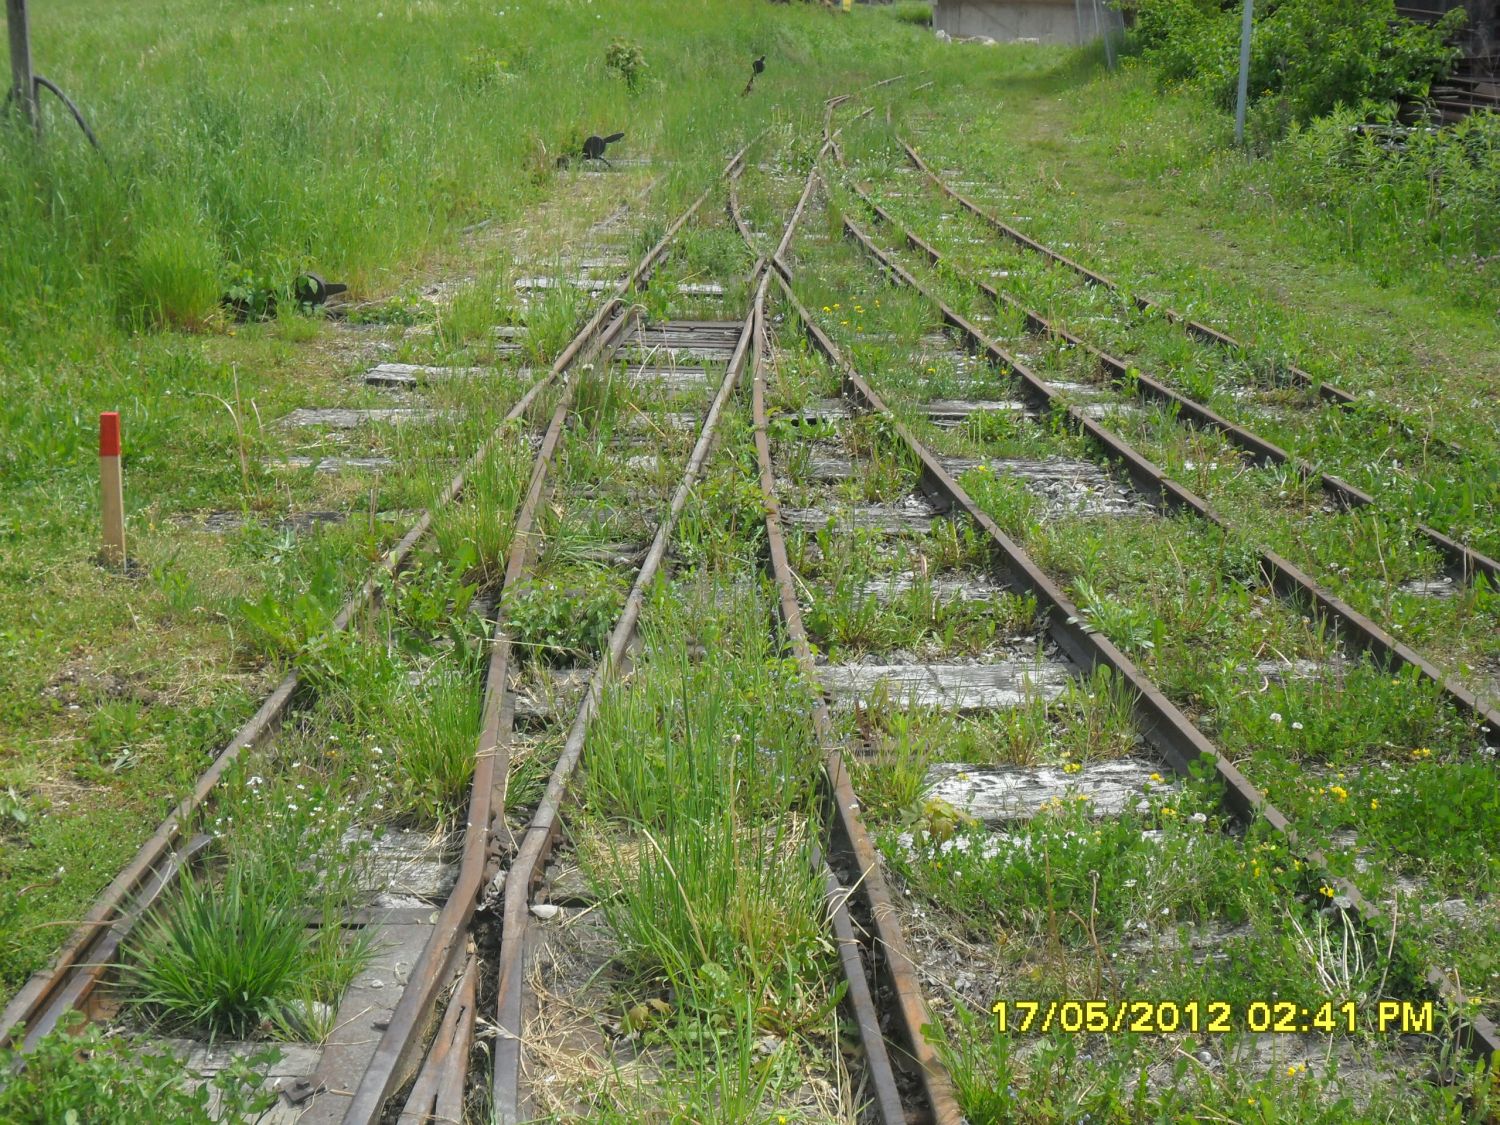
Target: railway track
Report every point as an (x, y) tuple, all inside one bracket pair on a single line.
[(816, 848), (1415, 432), (875, 545), (77, 971), (1287, 577), (625, 399)]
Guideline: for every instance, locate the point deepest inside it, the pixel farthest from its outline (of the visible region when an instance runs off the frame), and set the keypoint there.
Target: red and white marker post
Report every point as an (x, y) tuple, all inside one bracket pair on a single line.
[(112, 485)]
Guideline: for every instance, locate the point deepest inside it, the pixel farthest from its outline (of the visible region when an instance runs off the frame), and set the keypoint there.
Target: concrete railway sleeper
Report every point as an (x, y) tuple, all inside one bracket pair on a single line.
[(1326, 391), (1169, 734)]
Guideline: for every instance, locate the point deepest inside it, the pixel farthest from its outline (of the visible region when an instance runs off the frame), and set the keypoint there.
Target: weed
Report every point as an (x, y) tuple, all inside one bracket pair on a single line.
[(565, 618), (627, 60), (81, 1074), (435, 731)]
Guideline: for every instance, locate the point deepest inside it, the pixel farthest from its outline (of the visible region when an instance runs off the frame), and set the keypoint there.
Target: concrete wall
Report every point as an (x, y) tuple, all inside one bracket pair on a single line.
[(1051, 21)]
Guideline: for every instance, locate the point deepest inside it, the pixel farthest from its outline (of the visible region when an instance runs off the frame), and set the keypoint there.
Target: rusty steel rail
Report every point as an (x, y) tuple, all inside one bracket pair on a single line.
[(526, 870), (1463, 561), (887, 952), (1165, 727), (80, 965), (1325, 390), (888, 946), (1289, 580), (437, 1094), (404, 1034)]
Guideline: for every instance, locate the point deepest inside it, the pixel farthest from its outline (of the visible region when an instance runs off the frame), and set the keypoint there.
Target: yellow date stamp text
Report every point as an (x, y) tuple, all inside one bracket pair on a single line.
[(1211, 1017)]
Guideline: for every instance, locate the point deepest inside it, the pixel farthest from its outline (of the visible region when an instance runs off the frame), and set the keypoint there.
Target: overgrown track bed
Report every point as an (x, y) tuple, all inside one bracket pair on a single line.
[(1093, 878), (1462, 562), (586, 913), (1286, 576), (333, 840), (1277, 371)]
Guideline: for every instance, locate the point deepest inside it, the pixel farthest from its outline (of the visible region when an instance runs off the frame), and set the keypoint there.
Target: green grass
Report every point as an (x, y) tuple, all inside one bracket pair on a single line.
[(86, 1074), (232, 951), (243, 147)]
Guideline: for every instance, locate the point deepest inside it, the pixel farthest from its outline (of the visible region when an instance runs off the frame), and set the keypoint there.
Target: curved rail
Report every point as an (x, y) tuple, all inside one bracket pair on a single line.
[(438, 962), (1162, 724), (887, 948), (1464, 561), (1197, 329)]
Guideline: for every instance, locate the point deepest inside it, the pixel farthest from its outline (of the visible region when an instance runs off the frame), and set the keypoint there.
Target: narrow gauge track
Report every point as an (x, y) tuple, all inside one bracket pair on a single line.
[(1463, 561), (77, 977), (519, 861), (87, 955), (880, 943), (1286, 577), (1165, 729), (517, 873), (1324, 390)]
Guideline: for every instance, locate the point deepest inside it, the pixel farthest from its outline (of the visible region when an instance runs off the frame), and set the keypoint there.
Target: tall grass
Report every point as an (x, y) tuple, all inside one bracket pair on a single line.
[(232, 951), (263, 138), (705, 777)]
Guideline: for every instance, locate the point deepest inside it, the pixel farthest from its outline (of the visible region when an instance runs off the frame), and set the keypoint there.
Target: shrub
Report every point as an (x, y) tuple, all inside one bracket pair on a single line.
[(1436, 187), (565, 619), (1312, 55), (84, 1076), (628, 61), (916, 12)]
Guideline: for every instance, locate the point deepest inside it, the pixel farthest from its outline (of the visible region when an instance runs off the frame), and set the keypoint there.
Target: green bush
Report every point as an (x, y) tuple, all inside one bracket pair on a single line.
[(1437, 187), (85, 1077), (917, 12), (628, 61), (1312, 56)]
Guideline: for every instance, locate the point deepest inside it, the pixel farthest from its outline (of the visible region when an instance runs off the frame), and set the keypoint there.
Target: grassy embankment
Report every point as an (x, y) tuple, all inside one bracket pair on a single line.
[(244, 146)]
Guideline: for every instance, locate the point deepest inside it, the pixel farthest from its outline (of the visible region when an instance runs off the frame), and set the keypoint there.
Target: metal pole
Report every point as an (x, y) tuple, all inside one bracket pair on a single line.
[(1101, 21), (1239, 106), (23, 82)]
